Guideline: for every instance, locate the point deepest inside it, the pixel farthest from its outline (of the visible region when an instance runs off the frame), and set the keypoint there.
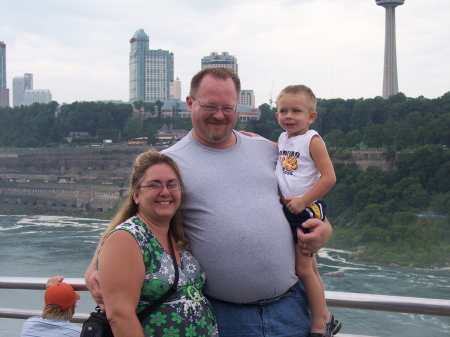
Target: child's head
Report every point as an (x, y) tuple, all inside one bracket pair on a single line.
[(296, 109), (304, 92), (60, 302)]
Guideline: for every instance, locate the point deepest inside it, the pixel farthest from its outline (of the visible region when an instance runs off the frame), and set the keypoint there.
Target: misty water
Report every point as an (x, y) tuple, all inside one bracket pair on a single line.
[(44, 246)]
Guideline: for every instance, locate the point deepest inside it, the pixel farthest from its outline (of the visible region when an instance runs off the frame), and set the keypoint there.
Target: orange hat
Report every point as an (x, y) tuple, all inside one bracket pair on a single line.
[(61, 294)]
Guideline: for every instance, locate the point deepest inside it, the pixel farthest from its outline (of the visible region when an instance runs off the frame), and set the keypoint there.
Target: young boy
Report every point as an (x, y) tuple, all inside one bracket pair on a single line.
[(305, 173), (60, 303)]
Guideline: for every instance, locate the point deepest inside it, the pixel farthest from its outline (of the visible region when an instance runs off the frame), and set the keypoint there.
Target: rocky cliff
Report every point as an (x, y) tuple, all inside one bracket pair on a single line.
[(81, 179)]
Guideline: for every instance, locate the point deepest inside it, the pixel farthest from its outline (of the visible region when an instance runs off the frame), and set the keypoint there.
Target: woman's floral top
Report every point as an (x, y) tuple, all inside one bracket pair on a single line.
[(185, 313)]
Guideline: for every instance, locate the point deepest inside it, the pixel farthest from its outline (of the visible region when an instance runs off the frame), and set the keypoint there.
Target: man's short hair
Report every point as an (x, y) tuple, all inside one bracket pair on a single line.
[(218, 73)]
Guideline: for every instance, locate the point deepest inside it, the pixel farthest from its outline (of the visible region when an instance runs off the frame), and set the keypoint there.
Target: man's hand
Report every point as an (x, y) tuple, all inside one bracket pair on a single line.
[(319, 234), (96, 291)]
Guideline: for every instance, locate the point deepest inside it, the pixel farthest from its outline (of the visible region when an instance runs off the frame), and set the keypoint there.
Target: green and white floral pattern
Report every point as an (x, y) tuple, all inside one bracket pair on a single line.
[(187, 312)]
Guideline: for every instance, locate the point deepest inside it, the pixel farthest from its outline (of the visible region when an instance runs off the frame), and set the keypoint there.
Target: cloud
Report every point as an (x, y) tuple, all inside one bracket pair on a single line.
[(79, 50)]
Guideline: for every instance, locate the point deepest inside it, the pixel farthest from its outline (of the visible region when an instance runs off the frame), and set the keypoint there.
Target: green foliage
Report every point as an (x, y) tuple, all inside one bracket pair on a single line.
[(375, 210), (372, 208), (133, 128), (113, 134), (407, 241)]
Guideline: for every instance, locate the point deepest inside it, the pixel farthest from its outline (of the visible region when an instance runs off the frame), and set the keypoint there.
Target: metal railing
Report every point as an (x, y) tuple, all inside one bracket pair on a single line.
[(412, 305)]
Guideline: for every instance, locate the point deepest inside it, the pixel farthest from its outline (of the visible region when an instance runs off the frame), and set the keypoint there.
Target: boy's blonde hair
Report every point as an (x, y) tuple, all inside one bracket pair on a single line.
[(54, 311), (300, 90)]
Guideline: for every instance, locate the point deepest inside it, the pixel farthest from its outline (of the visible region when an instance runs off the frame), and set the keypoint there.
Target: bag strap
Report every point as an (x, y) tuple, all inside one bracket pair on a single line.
[(144, 313)]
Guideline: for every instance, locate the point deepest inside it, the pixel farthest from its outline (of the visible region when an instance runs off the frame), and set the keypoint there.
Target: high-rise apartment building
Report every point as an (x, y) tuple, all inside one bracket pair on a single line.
[(4, 91), (247, 98), (24, 94), (175, 89), (151, 71), (225, 60), (36, 96)]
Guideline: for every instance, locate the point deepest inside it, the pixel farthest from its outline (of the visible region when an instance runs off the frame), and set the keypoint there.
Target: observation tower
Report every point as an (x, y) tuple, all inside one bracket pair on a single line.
[(390, 79)]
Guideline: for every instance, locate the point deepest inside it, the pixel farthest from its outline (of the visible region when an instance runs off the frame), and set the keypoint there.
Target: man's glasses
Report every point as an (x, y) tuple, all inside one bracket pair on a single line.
[(157, 187), (226, 110)]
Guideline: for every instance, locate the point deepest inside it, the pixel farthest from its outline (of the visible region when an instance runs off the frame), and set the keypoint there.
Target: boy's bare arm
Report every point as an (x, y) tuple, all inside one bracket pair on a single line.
[(327, 180)]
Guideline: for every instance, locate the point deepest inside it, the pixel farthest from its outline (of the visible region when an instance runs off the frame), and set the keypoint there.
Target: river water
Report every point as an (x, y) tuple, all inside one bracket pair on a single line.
[(44, 246)]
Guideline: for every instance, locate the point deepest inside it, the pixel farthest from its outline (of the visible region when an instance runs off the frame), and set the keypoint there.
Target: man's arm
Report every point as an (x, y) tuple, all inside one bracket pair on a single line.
[(319, 234), (252, 134), (92, 281)]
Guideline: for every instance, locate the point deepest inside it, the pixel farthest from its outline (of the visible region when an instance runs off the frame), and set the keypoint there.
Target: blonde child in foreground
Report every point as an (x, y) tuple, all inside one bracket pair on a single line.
[(305, 173)]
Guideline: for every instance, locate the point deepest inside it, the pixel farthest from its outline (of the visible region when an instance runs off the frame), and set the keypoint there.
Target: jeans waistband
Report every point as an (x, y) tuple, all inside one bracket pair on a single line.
[(261, 302)]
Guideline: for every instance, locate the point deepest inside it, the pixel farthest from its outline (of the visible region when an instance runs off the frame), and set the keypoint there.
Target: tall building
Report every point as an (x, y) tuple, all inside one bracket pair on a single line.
[(36, 96), (151, 71), (4, 91), (224, 60), (24, 94), (175, 89), (390, 78), (247, 98)]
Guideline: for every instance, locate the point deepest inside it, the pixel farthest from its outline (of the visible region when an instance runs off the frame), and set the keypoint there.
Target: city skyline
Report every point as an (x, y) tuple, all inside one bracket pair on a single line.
[(81, 51)]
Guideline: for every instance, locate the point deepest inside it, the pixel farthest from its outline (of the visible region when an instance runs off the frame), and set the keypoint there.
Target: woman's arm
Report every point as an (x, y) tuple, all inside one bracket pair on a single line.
[(121, 273)]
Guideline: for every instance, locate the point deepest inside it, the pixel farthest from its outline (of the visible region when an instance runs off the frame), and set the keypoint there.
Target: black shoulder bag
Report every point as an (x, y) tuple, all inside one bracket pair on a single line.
[(97, 324)]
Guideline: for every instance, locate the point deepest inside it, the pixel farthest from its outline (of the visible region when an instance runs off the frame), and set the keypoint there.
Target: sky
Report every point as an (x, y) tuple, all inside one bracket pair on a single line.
[(79, 50)]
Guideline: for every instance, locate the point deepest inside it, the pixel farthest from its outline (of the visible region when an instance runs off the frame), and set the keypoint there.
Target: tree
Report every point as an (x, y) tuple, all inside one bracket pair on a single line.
[(374, 135), (335, 138), (138, 104), (353, 138), (159, 105), (266, 113), (133, 128), (152, 133), (149, 107)]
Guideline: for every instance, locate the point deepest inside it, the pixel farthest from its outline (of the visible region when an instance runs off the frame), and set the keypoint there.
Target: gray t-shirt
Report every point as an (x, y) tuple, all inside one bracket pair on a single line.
[(234, 219)]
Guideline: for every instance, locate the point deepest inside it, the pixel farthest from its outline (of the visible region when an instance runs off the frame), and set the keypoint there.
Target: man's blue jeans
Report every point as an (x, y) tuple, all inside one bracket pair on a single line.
[(287, 317)]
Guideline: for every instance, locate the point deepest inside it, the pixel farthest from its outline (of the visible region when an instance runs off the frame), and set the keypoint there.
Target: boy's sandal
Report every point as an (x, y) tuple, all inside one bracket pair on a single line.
[(320, 334), (333, 326)]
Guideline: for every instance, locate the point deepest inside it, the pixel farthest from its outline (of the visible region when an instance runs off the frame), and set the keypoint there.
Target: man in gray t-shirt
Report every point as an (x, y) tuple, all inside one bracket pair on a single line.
[(234, 220)]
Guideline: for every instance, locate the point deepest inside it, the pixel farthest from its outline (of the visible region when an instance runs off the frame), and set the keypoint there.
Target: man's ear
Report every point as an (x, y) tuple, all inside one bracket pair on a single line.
[(189, 102)]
